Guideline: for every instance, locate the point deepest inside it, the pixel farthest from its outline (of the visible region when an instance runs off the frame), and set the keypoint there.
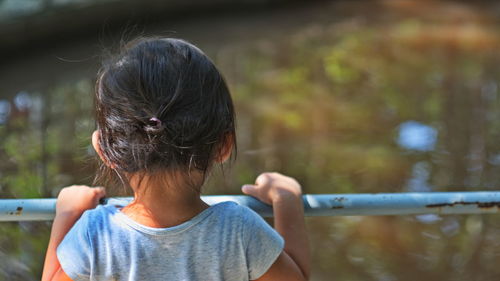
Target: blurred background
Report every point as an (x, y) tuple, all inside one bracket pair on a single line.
[(346, 96)]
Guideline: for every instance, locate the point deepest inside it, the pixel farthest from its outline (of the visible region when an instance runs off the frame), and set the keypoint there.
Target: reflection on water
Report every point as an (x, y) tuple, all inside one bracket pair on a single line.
[(390, 100), (420, 176), (417, 136), (4, 111)]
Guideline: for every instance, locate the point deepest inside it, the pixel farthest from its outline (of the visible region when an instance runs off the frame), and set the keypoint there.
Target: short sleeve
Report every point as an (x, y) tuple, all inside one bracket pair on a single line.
[(75, 252), (263, 244)]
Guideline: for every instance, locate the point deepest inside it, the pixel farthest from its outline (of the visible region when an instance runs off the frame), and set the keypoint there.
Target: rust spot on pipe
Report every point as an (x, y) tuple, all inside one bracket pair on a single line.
[(18, 212), (482, 205), (488, 204), (338, 207)]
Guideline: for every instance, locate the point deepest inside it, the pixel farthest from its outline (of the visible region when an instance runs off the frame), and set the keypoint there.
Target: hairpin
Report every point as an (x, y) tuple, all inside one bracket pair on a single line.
[(155, 122)]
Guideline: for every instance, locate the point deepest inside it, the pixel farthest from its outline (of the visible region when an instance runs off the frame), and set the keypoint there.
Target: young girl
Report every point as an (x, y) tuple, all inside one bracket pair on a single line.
[(164, 119)]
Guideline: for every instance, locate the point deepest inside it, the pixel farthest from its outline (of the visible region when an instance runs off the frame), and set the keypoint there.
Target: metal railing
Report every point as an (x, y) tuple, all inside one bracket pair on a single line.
[(314, 204)]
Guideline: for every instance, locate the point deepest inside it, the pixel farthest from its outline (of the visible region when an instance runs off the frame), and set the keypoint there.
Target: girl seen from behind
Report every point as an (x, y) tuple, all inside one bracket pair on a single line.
[(164, 119)]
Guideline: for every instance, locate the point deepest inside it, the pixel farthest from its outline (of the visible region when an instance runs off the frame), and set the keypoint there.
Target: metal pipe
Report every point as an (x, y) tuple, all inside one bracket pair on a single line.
[(314, 204)]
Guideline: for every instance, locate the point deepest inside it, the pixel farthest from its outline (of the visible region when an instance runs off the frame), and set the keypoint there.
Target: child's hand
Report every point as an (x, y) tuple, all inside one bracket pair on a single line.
[(75, 199), (270, 187), (285, 195), (71, 203)]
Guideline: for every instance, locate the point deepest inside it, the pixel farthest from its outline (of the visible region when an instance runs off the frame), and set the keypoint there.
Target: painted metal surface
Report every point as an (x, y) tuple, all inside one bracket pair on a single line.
[(314, 204)]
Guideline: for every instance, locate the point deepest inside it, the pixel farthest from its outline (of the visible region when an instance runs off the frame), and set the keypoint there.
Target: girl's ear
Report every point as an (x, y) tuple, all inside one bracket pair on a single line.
[(226, 150), (97, 147)]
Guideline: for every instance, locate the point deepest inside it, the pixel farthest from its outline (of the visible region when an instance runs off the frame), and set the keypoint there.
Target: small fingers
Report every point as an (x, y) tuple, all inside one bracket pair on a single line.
[(248, 189), (99, 193), (100, 190), (263, 179)]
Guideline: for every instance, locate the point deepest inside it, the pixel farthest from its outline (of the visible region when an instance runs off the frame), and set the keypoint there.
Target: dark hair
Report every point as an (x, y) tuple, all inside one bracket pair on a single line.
[(161, 104)]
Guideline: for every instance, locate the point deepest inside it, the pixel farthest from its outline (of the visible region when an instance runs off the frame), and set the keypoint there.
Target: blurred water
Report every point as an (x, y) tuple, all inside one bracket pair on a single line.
[(360, 96), (417, 136)]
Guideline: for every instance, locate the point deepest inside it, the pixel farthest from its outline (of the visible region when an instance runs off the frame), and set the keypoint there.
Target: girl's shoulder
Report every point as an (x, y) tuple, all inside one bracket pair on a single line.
[(106, 219), (241, 215), (108, 216), (101, 211), (97, 218), (234, 210)]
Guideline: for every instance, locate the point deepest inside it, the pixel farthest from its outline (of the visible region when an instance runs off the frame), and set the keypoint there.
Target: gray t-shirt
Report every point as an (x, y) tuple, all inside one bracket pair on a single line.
[(224, 242)]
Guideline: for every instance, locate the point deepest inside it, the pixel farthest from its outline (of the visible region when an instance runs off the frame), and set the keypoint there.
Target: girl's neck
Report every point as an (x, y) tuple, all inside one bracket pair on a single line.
[(158, 204)]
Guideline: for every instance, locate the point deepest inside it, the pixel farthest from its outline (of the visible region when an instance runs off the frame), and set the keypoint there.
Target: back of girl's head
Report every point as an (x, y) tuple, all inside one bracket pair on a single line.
[(162, 105)]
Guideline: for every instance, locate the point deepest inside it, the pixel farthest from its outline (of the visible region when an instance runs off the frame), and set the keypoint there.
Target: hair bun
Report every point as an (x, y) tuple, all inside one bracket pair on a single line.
[(154, 126)]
